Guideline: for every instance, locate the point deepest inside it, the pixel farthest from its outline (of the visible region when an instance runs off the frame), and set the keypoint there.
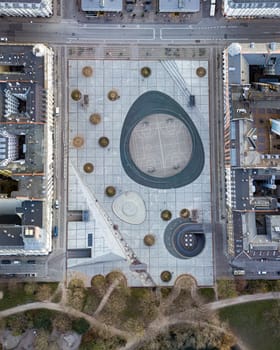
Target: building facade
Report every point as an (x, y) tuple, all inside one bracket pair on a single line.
[(26, 8)]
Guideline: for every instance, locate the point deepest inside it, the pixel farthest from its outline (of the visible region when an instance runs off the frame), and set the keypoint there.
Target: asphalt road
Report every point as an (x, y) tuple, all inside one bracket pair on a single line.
[(69, 31)]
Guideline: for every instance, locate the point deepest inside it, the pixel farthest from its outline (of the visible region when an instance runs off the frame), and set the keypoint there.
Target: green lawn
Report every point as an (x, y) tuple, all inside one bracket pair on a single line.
[(16, 295), (207, 294), (250, 323)]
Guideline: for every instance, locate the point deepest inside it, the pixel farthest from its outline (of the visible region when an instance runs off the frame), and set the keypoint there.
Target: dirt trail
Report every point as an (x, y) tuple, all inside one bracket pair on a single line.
[(106, 296), (68, 310)]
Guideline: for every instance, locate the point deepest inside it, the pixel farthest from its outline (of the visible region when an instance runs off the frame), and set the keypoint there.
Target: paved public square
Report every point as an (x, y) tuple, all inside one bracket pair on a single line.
[(87, 190)]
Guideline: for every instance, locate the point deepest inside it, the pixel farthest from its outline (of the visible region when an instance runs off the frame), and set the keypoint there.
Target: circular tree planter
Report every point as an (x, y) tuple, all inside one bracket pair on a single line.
[(146, 72), (103, 141), (78, 141), (98, 281), (185, 213), (112, 276), (201, 72), (95, 118), (165, 276), (76, 95), (87, 71), (88, 168), (149, 240), (110, 191), (166, 215), (98, 284), (113, 95)]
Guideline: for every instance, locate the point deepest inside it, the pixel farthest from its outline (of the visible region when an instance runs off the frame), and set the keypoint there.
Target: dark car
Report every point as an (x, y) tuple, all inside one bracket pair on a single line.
[(55, 231), (31, 262), (6, 262)]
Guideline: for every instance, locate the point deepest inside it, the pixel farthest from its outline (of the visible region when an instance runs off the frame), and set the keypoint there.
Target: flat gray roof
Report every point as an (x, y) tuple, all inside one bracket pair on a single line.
[(102, 5), (22, 1), (179, 5), (259, 2), (11, 236)]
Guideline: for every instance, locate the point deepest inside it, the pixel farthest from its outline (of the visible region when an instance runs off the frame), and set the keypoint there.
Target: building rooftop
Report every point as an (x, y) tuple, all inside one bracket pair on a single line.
[(259, 3), (179, 5), (252, 153), (102, 5), (22, 1), (25, 145), (11, 236)]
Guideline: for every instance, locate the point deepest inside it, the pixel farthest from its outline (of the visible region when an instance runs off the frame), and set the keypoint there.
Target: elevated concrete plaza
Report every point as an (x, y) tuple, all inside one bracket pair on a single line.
[(118, 224)]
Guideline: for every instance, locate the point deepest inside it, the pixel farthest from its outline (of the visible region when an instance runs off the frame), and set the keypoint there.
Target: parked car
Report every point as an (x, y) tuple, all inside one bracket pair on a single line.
[(33, 262), (32, 274), (6, 262), (55, 231), (16, 262), (238, 272)]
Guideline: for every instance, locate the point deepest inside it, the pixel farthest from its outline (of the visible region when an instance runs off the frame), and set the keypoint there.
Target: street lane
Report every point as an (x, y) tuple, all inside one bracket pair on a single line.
[(71, 32)]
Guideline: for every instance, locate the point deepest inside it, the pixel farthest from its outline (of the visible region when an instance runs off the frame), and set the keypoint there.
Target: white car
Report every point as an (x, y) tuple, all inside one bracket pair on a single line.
[(56, 204), (4, 39), (16, 262)]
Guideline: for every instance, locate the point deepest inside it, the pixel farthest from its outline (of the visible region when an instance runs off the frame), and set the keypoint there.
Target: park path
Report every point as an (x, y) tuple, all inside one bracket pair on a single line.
[(154, 328), (242, 299), (68, 310), (163, 322), (106, 296)]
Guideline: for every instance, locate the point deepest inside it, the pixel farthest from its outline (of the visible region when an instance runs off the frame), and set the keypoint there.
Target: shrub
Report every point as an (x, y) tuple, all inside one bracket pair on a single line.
[(42, 319), (17, 324), (226, 289), (43, 292), (80, 325), (30, 288), (62, 323)]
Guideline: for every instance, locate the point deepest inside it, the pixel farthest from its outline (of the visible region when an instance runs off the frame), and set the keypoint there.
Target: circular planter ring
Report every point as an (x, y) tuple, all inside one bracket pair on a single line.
[(166, 215), (88, 168), (110, 191), (149, 240), (76, 95)]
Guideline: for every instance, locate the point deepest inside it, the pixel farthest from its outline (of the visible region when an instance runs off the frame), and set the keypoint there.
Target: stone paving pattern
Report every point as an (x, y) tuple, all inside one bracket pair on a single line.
[(125, 78)]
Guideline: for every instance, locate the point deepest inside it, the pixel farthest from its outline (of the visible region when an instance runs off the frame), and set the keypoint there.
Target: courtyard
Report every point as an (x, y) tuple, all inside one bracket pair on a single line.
[(122, 208)]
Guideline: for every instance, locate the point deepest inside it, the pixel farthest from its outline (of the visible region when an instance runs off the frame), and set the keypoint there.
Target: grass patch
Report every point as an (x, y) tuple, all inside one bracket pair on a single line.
[(14, 294), (14, 297), (207, 294), (248, 321), (226, 289), (140, 304), (92, 301)]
